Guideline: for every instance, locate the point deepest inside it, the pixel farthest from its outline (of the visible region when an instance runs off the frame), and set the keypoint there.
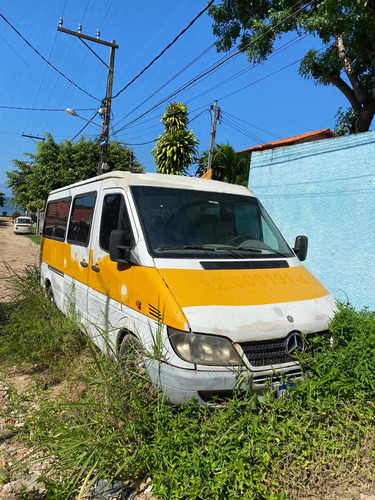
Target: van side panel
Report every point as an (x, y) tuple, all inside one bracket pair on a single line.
[(126, 284), (140, 288)]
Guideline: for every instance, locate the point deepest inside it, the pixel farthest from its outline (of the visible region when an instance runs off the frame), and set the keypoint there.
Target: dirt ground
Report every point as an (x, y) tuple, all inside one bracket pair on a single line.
[(16, 251)]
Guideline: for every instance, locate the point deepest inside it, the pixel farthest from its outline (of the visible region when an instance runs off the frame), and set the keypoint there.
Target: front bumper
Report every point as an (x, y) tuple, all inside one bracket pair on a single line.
[(23, 230), (180, 385)]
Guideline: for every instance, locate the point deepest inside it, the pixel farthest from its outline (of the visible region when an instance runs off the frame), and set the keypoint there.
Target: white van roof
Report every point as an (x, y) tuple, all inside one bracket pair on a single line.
[(124, 179)]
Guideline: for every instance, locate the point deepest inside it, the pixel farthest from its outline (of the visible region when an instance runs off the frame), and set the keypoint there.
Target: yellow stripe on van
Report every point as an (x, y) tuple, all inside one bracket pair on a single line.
[(138, 287), (242, 287)]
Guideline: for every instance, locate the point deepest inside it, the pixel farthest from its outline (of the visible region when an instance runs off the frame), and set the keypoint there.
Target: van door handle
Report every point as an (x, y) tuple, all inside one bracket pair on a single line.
[(96, 269), (83, 264)]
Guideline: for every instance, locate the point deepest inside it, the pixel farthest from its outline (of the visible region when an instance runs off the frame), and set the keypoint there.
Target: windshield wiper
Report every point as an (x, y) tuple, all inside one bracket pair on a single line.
[(212, 248), (187, 247), (260, 250)]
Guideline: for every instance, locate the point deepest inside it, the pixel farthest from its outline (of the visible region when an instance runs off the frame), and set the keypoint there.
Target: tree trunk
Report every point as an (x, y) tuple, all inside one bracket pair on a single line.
[(363, 122)]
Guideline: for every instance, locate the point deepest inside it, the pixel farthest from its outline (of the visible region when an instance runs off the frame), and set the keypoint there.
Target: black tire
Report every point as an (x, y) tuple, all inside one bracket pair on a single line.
[(50, 297), (131, 351)]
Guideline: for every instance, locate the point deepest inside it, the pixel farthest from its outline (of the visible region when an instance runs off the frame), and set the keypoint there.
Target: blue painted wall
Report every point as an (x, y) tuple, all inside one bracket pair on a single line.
[(326, 190)]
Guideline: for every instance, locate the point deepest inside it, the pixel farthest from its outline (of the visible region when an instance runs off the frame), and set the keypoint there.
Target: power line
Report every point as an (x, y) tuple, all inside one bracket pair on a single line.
[(184, 69), (213, 68), (43, 109), (252, 125), (166, 48), (239, 128), (45, 60), (169, 81), (83, 128), (23, 60), (275, 53), (140, 143), (82, 61), (261, 79)]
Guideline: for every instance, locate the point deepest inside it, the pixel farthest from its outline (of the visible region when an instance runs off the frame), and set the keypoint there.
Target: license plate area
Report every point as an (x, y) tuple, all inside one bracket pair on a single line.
[(283, 390)]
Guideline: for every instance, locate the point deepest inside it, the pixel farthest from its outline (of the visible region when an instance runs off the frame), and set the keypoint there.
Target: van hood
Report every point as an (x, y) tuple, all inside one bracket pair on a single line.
[(248, 304)]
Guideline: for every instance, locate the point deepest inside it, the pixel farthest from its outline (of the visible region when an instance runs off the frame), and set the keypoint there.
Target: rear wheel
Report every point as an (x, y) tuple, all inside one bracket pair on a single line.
[(50, 296)]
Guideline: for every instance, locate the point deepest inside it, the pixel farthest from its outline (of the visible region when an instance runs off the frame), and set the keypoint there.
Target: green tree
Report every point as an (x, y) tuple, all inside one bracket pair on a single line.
[(227, 165), (58, 164), (2, 199), (346, 28), (176, 149)]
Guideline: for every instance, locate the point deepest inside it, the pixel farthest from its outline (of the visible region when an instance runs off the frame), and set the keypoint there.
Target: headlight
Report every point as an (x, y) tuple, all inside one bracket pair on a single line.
[(203, 349)]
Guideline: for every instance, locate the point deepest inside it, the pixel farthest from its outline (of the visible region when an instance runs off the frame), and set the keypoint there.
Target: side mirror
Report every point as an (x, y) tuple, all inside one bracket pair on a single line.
[(118, 250), (300, 247)]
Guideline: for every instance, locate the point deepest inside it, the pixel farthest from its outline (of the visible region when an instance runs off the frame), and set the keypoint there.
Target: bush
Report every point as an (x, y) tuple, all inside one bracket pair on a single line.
[(15, 214)]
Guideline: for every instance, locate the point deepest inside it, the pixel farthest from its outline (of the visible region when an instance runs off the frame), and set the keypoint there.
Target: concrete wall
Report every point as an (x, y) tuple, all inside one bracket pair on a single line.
[(326, 190)]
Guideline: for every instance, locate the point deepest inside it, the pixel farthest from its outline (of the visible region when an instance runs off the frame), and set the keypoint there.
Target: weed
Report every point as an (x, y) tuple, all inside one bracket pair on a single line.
[(323, 433), (34, 331)]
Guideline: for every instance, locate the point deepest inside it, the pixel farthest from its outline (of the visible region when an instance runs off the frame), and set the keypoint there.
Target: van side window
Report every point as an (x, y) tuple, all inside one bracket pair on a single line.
[(114, 216), (56, 219), (81, 218)]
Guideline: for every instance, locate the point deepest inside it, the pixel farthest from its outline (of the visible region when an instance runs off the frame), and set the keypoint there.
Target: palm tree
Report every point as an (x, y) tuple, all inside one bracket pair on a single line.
[(227, 165), (2, 199), (176, 149)]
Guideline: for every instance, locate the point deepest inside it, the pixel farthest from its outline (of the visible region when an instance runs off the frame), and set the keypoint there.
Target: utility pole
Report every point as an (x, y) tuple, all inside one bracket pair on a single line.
[(36, 137), (215, 117), (105, 108)]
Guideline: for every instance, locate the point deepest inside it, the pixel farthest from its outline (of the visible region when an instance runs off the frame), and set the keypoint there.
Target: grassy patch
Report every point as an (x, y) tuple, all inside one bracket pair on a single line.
[(33, 237), (107, 425), (34, 331)]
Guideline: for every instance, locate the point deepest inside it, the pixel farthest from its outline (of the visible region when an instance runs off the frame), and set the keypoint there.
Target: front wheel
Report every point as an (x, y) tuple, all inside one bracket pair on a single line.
[(132, 363)]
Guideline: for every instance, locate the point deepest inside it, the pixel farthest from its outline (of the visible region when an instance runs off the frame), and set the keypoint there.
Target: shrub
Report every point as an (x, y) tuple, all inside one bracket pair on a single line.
[(15, 214)]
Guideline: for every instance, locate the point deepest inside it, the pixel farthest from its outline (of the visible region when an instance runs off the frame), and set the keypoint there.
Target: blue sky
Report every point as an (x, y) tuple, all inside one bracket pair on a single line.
[(278, 106)]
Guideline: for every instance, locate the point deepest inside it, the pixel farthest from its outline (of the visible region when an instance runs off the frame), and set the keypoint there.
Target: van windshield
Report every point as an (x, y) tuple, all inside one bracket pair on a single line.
[(184, 223)]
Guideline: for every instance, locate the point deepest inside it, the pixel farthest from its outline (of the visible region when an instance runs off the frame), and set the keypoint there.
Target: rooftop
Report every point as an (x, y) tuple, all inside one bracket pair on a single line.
[(325, 133)]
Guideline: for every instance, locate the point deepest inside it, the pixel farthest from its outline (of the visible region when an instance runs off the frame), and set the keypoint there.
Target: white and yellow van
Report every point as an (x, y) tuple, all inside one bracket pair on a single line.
[(197, 264)]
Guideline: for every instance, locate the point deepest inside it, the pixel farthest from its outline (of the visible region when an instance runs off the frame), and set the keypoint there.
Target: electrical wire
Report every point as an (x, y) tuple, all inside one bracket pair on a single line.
[(48, 62), (83, 128), (212, 69), (184, 69), (82, 61), (44, 109), (242, 130), (106, 14), (252, 125), (204, 52), (165, 49), (260, 79), (275, 53), (23, 60)]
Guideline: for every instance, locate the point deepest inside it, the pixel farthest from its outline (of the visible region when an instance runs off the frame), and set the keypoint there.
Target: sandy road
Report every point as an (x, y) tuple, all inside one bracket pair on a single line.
[(16, 251)]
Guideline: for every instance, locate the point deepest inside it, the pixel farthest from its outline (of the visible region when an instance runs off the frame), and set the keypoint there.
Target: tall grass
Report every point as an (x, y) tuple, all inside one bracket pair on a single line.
[(34, 331), (319, 436)]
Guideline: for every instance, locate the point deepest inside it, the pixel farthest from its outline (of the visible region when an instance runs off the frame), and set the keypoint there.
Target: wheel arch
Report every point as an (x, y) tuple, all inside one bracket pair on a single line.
[(121, 335)]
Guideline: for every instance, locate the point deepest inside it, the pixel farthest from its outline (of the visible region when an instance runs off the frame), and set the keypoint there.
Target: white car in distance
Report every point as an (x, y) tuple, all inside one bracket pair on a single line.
[(23, 225)]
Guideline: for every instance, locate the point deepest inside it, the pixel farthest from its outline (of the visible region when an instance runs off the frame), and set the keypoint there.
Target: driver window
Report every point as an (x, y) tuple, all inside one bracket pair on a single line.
[(114, 216)]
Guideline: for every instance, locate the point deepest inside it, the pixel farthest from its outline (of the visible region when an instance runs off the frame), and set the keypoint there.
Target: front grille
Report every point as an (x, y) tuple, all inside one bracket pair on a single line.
[(272, 352), (266, 352)]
